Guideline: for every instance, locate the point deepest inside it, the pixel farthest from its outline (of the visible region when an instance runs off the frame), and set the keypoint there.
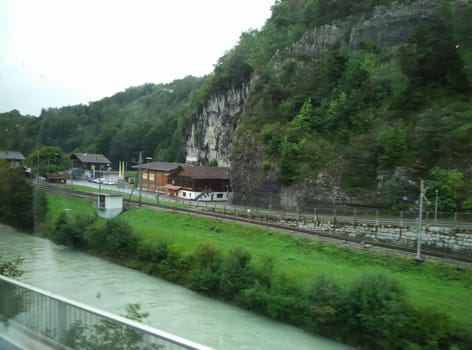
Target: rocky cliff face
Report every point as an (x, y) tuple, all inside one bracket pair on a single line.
[(212, 133), (210, 136), (391, 25)]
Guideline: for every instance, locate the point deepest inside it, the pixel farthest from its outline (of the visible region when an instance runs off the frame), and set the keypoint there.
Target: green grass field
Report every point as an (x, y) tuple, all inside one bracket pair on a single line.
[(440, 286)]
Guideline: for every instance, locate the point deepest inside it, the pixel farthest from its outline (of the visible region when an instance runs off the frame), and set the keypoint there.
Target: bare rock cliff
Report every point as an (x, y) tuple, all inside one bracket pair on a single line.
[(210, 135)]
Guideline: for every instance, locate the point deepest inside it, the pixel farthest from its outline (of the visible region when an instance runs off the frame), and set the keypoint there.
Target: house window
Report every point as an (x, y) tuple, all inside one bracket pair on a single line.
[(184, 194), (145, 176), (219, 195), (151, 177)]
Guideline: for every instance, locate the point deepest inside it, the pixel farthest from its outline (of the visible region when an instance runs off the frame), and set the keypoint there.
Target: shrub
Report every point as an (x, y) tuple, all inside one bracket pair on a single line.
[(154, 252), (175, 267), (375, 316), (324, 306), (70, 231), (152, 255), (120, 239), (286, 302), (96, 236), (235, 273), (429, 329), (205, 274), (255, 298)]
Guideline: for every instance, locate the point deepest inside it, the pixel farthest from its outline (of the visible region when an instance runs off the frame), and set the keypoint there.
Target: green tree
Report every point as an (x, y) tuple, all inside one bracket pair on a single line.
[(303, 120), (16, 198), (394, 147), (450, 186), (48, 159)]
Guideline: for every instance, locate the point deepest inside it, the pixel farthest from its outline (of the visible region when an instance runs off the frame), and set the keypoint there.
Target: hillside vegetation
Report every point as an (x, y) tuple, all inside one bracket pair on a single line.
[(373, 117)]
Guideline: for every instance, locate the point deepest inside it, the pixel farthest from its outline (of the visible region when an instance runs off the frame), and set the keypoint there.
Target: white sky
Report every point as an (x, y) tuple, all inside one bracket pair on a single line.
[(55, 53)]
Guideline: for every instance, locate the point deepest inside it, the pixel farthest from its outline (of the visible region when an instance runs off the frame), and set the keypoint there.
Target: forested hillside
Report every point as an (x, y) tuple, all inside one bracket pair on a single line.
[(341, 102), (148, 118)]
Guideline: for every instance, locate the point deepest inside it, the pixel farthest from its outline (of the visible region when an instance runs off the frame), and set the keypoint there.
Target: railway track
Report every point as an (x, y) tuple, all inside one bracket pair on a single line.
[(460, 260)]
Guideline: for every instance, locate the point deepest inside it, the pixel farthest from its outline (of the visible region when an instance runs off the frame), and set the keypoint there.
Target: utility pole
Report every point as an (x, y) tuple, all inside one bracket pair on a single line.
[(436, 206), (140, 176), (419, 228), (37, 172)]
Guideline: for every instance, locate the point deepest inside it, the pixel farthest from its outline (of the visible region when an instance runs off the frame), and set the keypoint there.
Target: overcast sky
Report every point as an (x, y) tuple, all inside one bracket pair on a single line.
[(55, 53)]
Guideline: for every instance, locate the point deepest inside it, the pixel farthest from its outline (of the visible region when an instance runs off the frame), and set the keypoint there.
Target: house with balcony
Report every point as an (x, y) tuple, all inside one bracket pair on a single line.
[(154, 175), (89, 165), (199, 183)]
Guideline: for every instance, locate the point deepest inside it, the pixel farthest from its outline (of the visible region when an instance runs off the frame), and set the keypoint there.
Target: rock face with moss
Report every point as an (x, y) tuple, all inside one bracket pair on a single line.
[(330, 149)]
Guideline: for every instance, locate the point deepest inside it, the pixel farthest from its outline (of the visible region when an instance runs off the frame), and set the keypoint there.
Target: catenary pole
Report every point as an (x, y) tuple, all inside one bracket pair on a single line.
[(419, 228), (140, 176)]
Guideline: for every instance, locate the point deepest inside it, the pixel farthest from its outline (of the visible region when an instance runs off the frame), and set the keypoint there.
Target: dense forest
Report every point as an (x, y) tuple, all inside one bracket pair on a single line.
[(379, 115)]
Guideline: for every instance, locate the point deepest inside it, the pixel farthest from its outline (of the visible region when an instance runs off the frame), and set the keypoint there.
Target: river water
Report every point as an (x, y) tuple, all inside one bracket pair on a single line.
[(110, 287)]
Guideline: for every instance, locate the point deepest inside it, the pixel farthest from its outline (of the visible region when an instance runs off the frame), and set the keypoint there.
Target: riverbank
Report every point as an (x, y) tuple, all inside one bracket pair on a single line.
[(99, 283), (439, 288)]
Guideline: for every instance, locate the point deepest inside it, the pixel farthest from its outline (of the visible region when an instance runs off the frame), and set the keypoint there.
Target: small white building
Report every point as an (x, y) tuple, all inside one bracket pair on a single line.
[(109, 205)]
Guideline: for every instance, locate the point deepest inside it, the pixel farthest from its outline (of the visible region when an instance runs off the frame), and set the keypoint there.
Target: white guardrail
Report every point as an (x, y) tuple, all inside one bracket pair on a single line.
[(31, 318)]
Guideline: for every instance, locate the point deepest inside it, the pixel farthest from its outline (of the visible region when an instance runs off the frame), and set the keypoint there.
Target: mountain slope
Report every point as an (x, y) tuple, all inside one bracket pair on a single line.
[(355, 111)]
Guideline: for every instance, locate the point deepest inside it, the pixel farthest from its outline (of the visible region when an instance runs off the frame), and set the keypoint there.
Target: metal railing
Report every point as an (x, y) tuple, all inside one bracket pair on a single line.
[(29, 316)]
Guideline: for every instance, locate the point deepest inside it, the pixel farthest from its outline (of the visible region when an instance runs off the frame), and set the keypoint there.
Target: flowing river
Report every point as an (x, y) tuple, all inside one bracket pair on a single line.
[(174, 309)]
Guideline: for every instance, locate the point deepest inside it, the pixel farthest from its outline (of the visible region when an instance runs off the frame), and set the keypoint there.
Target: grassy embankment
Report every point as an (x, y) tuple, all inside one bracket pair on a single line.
[(440, 286)]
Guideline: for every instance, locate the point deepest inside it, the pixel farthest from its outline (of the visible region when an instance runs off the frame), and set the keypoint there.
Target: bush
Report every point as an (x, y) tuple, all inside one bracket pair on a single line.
[(71, 230), (152, 255), (324, 306), (375, 316), (286, 302), (175, 267), (206, 270), (16, 198), (235, 274), (155, 252), (120, 240), (96, 236), (429, 329)]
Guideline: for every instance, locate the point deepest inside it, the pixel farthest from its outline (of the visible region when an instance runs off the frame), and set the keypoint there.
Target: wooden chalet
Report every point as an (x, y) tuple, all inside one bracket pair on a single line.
[(13, 158), (154, 175), (201, 183), (89, 165)]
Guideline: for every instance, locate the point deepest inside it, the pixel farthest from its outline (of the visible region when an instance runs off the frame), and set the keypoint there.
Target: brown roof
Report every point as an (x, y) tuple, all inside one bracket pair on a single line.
[(11, 155), (91, 158), (205, 172), (162, 166)]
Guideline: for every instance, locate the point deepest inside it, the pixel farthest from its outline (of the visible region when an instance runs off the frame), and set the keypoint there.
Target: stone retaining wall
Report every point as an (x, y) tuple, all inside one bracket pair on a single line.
[(434, 237)]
